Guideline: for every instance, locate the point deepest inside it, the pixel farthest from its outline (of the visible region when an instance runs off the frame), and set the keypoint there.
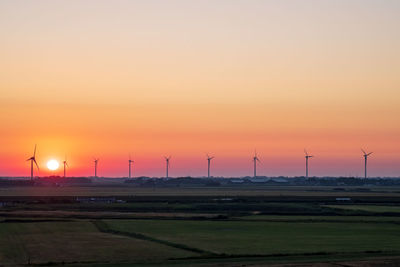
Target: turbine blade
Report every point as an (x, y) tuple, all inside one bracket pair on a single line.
[(369, 153), (34, 151), (363, 151), (37, 166)]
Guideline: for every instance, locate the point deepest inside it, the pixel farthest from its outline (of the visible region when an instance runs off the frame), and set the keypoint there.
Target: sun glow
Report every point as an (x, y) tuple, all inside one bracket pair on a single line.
[(53, 165)]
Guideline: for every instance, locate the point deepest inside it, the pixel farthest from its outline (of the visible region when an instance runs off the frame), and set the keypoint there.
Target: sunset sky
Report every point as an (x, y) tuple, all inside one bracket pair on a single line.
[(184, 78)]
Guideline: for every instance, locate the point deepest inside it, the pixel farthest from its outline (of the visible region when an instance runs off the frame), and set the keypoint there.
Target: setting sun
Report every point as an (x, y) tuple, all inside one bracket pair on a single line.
[(53, 165), (200, 133)]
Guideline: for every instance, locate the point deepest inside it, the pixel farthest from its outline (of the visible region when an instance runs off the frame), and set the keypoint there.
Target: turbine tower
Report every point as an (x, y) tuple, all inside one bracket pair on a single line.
[(95, 167), (365, 161), (65, 165), (307, 157), (255, 159), (33, 160), (130, 161), (167, 164), (209, 163)]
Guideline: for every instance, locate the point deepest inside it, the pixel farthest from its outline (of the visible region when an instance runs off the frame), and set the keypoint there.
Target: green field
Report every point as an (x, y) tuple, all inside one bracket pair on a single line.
[(258, 190), (79, 242), (266, 238), (301, 218), (183, 242), (369, 208), (197, 227)]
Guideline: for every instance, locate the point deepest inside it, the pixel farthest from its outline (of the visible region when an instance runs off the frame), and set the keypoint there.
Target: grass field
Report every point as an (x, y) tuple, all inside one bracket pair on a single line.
[(302, 218), (265, 238), (79, 242), (258, 190), (211, 210), (369, 208), (252, 239), (197, 227), (166, 207)]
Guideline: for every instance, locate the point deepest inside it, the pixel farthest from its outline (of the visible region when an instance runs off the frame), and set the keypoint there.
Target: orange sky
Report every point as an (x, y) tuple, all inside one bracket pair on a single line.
[(185, 78)]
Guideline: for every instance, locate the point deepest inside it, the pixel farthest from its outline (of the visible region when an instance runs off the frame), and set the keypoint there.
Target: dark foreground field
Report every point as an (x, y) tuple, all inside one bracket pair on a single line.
[(173, 227)]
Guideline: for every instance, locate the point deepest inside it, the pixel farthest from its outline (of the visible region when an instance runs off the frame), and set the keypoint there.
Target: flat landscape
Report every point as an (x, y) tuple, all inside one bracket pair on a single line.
[(60, 242), (125, 226), (268, 238), (200, 133), (255, 190)]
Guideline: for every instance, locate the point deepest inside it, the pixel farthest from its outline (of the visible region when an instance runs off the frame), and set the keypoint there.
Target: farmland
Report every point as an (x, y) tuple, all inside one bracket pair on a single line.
[(266, 238), (75, 242), (186, 226), (255, 190), (370, 208)]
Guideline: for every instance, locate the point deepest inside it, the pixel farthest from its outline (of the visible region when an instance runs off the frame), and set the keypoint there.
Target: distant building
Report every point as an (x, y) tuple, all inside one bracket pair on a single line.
[(237, 181), (259, 180), (6, 204), (96, 199), (343, 199), (280, 180)]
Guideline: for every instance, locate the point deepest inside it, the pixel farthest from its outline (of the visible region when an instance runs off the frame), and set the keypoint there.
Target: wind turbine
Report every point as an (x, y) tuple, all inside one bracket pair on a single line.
[(65, 165), (365, 161), (255, 159), (307, 157), (95, 167), (209, 163), (167, 163), (33, 160), (130, 162)]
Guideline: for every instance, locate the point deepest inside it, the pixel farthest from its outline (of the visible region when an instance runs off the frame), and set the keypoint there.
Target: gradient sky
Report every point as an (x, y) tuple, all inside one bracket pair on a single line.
[(184, 78)]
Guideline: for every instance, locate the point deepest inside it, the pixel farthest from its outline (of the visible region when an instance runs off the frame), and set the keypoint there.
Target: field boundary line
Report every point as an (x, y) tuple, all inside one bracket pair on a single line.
[(104, 228)]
